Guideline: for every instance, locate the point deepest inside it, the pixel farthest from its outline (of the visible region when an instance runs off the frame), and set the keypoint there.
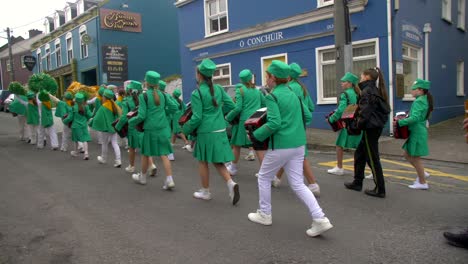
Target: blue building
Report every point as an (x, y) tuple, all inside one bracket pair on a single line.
[(109, 41), (388, 34)]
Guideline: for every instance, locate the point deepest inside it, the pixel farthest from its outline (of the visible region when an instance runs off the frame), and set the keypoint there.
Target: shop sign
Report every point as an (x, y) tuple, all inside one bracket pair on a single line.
[(261, 40), (412, 32), (115, 62), (120, 20)]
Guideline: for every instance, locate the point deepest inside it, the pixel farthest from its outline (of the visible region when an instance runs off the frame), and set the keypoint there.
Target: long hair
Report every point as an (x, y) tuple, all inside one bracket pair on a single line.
[(304, 89), (157, 99), (249, 84), (134, 94), (430, 100), (209, 81), (115, 108), (376, 74), (357, 90)]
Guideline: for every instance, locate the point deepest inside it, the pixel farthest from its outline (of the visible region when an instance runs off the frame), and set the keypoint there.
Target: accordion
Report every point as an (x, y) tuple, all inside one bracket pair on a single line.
[(132, 114), (400, 131), (123, 132), (69, 123), (255, 121), (186, 116), (336, 126)]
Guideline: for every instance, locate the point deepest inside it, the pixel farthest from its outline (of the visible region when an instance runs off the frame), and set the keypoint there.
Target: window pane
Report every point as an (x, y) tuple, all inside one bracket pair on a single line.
[(222, 6), (360, 66), (328, 56), (214, 25), (414, 53), (226, 71), (329, 80), (363, 51), (410, 72), (212, 8), (223, 22), (222, 81), (216, 73)]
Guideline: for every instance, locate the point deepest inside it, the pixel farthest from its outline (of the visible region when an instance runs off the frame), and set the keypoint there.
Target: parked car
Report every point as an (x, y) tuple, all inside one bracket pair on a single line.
[(3, 96)]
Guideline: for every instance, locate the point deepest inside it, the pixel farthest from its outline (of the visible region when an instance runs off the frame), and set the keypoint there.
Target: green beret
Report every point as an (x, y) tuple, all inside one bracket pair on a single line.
[(296, 70), (152, 77), (162, 85), (349, 77), (207, 67), (134, 85), (68, 96), (79, 97), (176, 93), (101, 90), (245, 76), (420, 83), (109, 94), (30, 95), (279, 69)]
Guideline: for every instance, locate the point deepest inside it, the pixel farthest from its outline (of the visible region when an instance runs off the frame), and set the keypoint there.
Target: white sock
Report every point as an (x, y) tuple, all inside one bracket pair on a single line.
[(169, 178), (233, 166), (231, 183), (313, 185)]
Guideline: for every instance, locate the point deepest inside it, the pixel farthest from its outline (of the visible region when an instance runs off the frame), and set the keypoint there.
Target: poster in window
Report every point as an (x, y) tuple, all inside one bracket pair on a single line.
[(115, 62)]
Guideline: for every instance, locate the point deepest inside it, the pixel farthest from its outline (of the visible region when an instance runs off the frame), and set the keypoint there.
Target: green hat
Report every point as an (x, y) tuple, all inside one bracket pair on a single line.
[(108, 94), (349, 77), (134, 85), (245, 76), (79, 97), (30, 95), (176, 93), (162, 85), (296, 70), (68, 96), (207, 67), (420, 83), (279, 69), (101, 90), (152, 77)]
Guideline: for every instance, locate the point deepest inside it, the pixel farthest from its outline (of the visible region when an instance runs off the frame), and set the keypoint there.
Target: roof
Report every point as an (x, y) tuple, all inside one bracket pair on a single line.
[(21, 46)]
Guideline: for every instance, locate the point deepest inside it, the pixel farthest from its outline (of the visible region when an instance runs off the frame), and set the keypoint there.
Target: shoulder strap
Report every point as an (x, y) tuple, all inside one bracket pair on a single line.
[(201, 98), (347, 97), (242, 91), (145, 96)]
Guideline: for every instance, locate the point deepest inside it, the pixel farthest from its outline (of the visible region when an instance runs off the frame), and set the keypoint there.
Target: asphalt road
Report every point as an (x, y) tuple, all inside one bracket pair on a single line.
[(58, 209)]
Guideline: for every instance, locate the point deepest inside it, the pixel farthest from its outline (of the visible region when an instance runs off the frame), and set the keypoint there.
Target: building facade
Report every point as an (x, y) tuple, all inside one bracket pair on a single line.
[(108, 41), (236, 37)]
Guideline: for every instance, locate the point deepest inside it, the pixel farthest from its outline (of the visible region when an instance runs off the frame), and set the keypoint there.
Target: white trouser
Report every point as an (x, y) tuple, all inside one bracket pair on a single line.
[(49, 131), (81, 145), (100, 137), (34, 132), (112, 138), (23, 127), (292, 162), (66, 136)]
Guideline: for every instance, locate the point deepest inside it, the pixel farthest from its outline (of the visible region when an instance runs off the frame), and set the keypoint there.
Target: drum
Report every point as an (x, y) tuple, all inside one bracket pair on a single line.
[(400, 131), (255, 121)]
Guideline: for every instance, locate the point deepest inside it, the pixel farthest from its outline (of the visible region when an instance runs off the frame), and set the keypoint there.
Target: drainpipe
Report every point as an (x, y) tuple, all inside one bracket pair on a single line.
[(390, 62), (427, 29)]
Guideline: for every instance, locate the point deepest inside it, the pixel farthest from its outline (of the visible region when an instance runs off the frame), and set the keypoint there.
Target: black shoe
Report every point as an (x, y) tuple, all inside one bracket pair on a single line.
[(375, 193), (29, 141), (458, 240), (353, 186)]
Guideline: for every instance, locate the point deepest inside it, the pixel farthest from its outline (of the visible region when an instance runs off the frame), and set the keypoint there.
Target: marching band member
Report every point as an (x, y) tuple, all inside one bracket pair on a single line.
[(285, 128), (64, 108), (176, 129), (152, 112), (97, 101), (212, 145), (19, 109), (32, 115), (169, 116), (47, 121)]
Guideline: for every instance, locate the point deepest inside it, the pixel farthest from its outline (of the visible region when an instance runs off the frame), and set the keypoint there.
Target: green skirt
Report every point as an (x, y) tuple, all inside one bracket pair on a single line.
[(134, 139), (156, 143), (213, 147), (239, 136), (416, 145), (175, 127), (80, 135), (346, 141)]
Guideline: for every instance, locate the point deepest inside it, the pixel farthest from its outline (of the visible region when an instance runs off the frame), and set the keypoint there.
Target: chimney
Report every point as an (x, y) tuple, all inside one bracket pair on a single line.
[(34, 32)]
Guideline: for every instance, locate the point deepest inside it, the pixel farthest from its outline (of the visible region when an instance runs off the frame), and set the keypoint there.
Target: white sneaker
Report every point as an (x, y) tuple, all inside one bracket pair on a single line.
[(276, 182), (260, 218), (336, 171), (203, 194), (231, 170), (86, 156), (427, 174), (369, 176), (73, 153), (250, 157), (117, 164), (171, 157), (315, 189), (101, 160), (419, 186), (234, 193), (319, 226), (130, 169), (256, 174), (169, 184), (139, 178), (153, 170), (188, 147)]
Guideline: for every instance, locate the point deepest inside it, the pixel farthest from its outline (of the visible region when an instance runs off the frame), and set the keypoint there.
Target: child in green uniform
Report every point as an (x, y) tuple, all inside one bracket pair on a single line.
[(285, 129), (175, 127), (120, 102), (47, 121), (102, 122), (32, 115), (152, 112), (248, 100), (63, 109), (97, 101), (212, 145), (169, 116), (349, 96), (416, 145), (20, 110)]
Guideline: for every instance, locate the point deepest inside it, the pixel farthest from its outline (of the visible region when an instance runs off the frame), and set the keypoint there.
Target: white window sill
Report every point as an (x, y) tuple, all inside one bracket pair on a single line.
[(448, 20), (216, 33), (461, 95), (182, 2), (408, 98), (324, 5), (327, 101)]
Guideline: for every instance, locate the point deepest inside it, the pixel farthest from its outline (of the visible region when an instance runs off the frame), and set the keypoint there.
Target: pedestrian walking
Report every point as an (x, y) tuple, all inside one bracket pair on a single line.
[(18, 109)]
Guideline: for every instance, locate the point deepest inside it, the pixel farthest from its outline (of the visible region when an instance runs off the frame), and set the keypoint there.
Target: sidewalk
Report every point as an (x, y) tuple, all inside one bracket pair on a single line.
[(446, 142)]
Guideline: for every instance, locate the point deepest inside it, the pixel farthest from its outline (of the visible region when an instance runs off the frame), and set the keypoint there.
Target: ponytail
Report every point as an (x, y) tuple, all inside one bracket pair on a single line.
[(304, 89), (134, 94), (115, 108), (430, 100), (357, 90), (376, 75), (80, 108), (209, 81), (157, 100)]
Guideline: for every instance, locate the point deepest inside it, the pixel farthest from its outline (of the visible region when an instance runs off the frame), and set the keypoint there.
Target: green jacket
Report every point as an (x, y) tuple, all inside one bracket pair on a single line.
[(285, 123), (128, 105), (17, 107), (154, 116), (47, 120), (206, 117), (353, 98), (247, 102), (62, 109), (180, 110), (103, 119), (32, 114), (80, 120), (306, 99), (416, 121)]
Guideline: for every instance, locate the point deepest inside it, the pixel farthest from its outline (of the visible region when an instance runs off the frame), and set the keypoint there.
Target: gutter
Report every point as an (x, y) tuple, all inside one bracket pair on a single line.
[(390, 62)]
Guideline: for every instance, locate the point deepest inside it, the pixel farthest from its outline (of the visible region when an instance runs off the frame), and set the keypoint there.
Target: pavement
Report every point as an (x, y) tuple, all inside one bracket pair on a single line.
[(446, 142)]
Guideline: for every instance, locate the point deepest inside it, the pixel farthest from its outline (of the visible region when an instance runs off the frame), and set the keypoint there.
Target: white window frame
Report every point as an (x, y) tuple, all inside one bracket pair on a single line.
[(56, 20), (79, 7), (22, 62), (47, 26), (461, 78), (83, 47), (207, 19), (68, 13), (69, 36), (461, 14), (58, 52), (318, 60), (322, 3), (8, 66), (39, 60), (263, 70), (447, 10), (420, 61), (47, 57), (223, 76)]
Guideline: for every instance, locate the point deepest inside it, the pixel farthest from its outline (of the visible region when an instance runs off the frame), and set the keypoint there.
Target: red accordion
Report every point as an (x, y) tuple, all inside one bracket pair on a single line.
[(255, 121), (132, 114), (69, 123), (186, 116), (400, 131), (336, 126), (123, 132)]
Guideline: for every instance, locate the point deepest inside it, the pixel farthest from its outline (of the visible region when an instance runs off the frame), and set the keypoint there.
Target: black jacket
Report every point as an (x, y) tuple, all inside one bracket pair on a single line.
[(373, 110)]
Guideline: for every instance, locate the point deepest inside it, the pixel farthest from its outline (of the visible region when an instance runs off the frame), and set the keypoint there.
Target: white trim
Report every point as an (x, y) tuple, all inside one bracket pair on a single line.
[(447, 7), (47, 47), (58, 61), (82, 31), (318, 63), (181, 3), (461, 15), (69, 37), (321, 3), (57, 41), (230, 71), (460, 78), (207, 25), (82, 28), (390, 61), (285, 55)]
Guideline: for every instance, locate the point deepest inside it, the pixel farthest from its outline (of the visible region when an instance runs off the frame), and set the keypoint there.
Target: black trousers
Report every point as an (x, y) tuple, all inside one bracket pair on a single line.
[(368, 152)]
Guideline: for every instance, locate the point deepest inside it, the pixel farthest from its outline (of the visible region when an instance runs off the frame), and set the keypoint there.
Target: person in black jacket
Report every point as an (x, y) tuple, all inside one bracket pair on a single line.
[(372, 116)]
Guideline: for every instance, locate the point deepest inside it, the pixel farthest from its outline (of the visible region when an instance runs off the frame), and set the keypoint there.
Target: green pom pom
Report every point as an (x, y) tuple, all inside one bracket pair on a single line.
[(17, 88), (44, 96), (42, 81)]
